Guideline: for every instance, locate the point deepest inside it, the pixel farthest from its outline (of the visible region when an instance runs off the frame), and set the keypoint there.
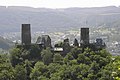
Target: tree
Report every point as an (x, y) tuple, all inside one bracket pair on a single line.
[(116, 67), (6, 69), (15, 56), (20, 72), (75, 52), (35, 53), (57, 58), (39, 71), (67, 58), (83, 59), (104, 53), (28, 68), (46, 56), (94, 67), (55, 71)]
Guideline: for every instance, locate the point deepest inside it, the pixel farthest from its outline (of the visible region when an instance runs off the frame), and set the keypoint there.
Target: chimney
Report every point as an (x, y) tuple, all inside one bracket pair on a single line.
[(26, 34), (84, 36)]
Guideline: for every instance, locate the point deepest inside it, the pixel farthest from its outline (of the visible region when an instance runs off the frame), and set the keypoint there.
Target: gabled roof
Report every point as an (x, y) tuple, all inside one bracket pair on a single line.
[(43, 38)]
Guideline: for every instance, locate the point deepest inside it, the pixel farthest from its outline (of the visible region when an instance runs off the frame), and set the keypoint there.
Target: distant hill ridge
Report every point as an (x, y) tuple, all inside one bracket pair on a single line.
[(45, 19)]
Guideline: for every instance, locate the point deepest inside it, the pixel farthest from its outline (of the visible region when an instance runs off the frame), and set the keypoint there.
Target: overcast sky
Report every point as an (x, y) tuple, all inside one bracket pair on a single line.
[(60, 3)]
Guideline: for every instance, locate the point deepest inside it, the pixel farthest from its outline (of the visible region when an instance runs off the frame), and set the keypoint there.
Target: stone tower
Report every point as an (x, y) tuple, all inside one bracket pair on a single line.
[(26, 34), (84, 36)]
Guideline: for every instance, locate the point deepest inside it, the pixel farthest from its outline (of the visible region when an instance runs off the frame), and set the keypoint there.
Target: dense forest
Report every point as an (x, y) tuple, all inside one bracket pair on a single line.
[(43, 64)]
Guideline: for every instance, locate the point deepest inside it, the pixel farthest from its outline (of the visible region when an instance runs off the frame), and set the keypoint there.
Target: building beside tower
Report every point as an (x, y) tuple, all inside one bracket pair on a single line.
[(44, 41)]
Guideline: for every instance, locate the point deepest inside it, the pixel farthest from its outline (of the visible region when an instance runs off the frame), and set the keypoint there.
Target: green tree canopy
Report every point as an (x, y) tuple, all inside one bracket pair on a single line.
[(46, 56)]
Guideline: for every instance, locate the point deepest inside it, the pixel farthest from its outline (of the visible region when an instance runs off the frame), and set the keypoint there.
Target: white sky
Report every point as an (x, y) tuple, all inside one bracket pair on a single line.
[(60, 3)]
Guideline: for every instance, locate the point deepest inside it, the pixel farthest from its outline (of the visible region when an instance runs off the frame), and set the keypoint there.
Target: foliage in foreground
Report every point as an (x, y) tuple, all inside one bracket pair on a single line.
[(31, 64)]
